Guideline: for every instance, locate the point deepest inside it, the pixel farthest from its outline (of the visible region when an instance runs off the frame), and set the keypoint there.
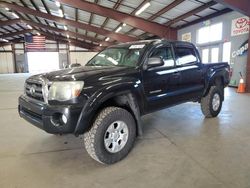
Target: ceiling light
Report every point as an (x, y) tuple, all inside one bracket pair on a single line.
[(144, 7), (15, 15), (118, 29), (65, 27), (6, 8), (38, 33), (60, 12), (29, 27), (67, 36), (58, 4), (100, 44), (107, 39), (4, 40), (124, 24)]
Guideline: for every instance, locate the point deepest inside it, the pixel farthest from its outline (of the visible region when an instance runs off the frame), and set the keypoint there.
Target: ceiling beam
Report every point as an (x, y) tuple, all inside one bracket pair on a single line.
[(116, 6), (133, 13), (70, 33), (49, 37), (166, 9), (10, 25), (162, 11), (18, 15), (11, 42), (190, 13), (48, 11), (9, 22), (66, 40), (16, 33), (25, 5), (91, 18), (140, 23), (73, 34), (242, 6), (37, 8), (219, 13), (34, 24), (107, 33)]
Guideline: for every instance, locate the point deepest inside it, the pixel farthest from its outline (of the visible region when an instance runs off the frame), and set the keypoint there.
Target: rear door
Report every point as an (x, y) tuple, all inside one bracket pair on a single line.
[(190, 69), (160, 83)]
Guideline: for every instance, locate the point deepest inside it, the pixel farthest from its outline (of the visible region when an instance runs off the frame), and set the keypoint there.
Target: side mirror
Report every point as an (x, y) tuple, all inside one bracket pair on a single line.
[(154, 62)]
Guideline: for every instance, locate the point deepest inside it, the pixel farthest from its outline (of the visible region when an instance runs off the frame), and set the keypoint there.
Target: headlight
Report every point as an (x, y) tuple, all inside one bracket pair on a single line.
[(63, 91)]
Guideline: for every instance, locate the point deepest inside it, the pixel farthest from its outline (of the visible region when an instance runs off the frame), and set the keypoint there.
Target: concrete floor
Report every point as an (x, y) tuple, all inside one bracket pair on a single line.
[(179, 149)]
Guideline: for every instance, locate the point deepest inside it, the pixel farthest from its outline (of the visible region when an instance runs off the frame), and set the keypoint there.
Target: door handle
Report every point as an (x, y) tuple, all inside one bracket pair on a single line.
[(176, 74)]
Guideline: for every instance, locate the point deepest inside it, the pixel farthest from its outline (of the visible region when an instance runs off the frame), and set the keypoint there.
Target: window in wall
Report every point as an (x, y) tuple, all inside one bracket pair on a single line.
[(226, 56), (205, 55), (215, 55), (166, 54), (210, 33), (185, 55)]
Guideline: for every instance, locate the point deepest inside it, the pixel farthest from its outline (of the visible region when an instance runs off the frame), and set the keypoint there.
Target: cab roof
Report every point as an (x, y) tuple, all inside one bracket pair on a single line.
[(151, 42)]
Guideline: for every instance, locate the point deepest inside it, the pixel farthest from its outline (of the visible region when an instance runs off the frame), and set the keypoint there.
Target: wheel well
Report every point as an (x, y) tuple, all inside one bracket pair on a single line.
[(218, 81), (126, 102)]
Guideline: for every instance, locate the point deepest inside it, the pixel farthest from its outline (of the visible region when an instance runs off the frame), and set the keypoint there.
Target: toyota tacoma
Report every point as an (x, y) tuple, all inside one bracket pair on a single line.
[(105, 99)]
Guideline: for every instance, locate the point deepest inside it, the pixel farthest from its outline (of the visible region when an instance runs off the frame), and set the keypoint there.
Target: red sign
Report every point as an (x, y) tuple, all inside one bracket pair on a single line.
[(240, 26)]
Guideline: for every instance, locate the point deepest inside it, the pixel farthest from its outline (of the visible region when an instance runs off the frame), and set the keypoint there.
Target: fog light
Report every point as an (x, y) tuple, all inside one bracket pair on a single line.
[(64, 119), (59, 119)]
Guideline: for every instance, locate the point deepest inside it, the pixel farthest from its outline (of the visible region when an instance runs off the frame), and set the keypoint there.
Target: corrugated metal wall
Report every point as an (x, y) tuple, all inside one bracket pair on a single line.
[(81, 57), (6, 62)]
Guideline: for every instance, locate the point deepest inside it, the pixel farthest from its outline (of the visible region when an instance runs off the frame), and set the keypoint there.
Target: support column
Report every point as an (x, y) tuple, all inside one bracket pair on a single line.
[(14, 57), (248, 67), (68, 53)]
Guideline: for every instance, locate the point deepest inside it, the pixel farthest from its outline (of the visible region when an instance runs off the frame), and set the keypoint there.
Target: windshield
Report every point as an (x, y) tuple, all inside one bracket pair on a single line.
[(127, 57)]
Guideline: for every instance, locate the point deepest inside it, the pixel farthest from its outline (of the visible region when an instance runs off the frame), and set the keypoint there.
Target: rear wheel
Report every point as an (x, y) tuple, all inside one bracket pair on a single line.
[(211, 104), (112, 135)]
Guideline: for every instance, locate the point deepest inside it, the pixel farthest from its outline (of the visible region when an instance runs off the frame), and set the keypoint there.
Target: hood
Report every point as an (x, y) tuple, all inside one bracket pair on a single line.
[(83, 73)]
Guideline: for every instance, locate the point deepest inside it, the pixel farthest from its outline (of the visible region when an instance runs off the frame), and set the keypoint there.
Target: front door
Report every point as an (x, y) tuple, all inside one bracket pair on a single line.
[(161, 83)]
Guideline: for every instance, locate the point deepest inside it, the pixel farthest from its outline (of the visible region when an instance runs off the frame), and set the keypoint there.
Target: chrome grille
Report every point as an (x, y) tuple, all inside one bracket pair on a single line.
[(33, 89)]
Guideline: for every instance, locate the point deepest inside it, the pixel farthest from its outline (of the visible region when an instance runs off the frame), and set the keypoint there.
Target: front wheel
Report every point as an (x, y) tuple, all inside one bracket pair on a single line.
[(211, 104), (112, 135)]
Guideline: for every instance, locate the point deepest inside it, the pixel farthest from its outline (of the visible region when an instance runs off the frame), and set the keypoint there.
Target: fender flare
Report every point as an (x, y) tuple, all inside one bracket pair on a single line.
[(211, 79), (98, 98)]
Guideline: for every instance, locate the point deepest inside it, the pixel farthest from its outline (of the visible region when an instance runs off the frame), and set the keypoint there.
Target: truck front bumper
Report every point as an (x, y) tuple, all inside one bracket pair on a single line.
[(52, 119)]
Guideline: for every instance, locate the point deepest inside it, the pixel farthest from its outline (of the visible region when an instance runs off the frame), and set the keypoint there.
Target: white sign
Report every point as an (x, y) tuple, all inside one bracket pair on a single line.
[(242, 50), (187, 37), (240, 26), (137, 46)]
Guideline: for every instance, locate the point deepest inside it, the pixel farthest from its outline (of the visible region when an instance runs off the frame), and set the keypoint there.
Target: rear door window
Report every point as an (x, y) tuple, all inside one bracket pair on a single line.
[(185, 56)]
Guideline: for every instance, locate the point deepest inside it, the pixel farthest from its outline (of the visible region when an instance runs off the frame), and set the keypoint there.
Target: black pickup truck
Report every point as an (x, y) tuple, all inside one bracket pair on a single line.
[(105, 99)]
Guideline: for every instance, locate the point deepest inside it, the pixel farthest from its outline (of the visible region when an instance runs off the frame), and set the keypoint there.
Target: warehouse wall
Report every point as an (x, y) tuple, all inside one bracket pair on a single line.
[(67, 55), (81, 57), (6, 61), (238, 63)]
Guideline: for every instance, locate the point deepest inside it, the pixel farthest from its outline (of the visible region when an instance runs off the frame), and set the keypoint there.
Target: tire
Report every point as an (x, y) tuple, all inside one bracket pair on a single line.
[(97, 139), (208, 109)]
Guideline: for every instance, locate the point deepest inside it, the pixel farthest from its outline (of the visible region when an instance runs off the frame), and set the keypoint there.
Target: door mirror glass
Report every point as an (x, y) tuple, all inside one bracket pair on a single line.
[(154, 62)]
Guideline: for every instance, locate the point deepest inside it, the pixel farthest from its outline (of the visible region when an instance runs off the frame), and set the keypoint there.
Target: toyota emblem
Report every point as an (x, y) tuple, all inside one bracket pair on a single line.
[(33, 89)]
